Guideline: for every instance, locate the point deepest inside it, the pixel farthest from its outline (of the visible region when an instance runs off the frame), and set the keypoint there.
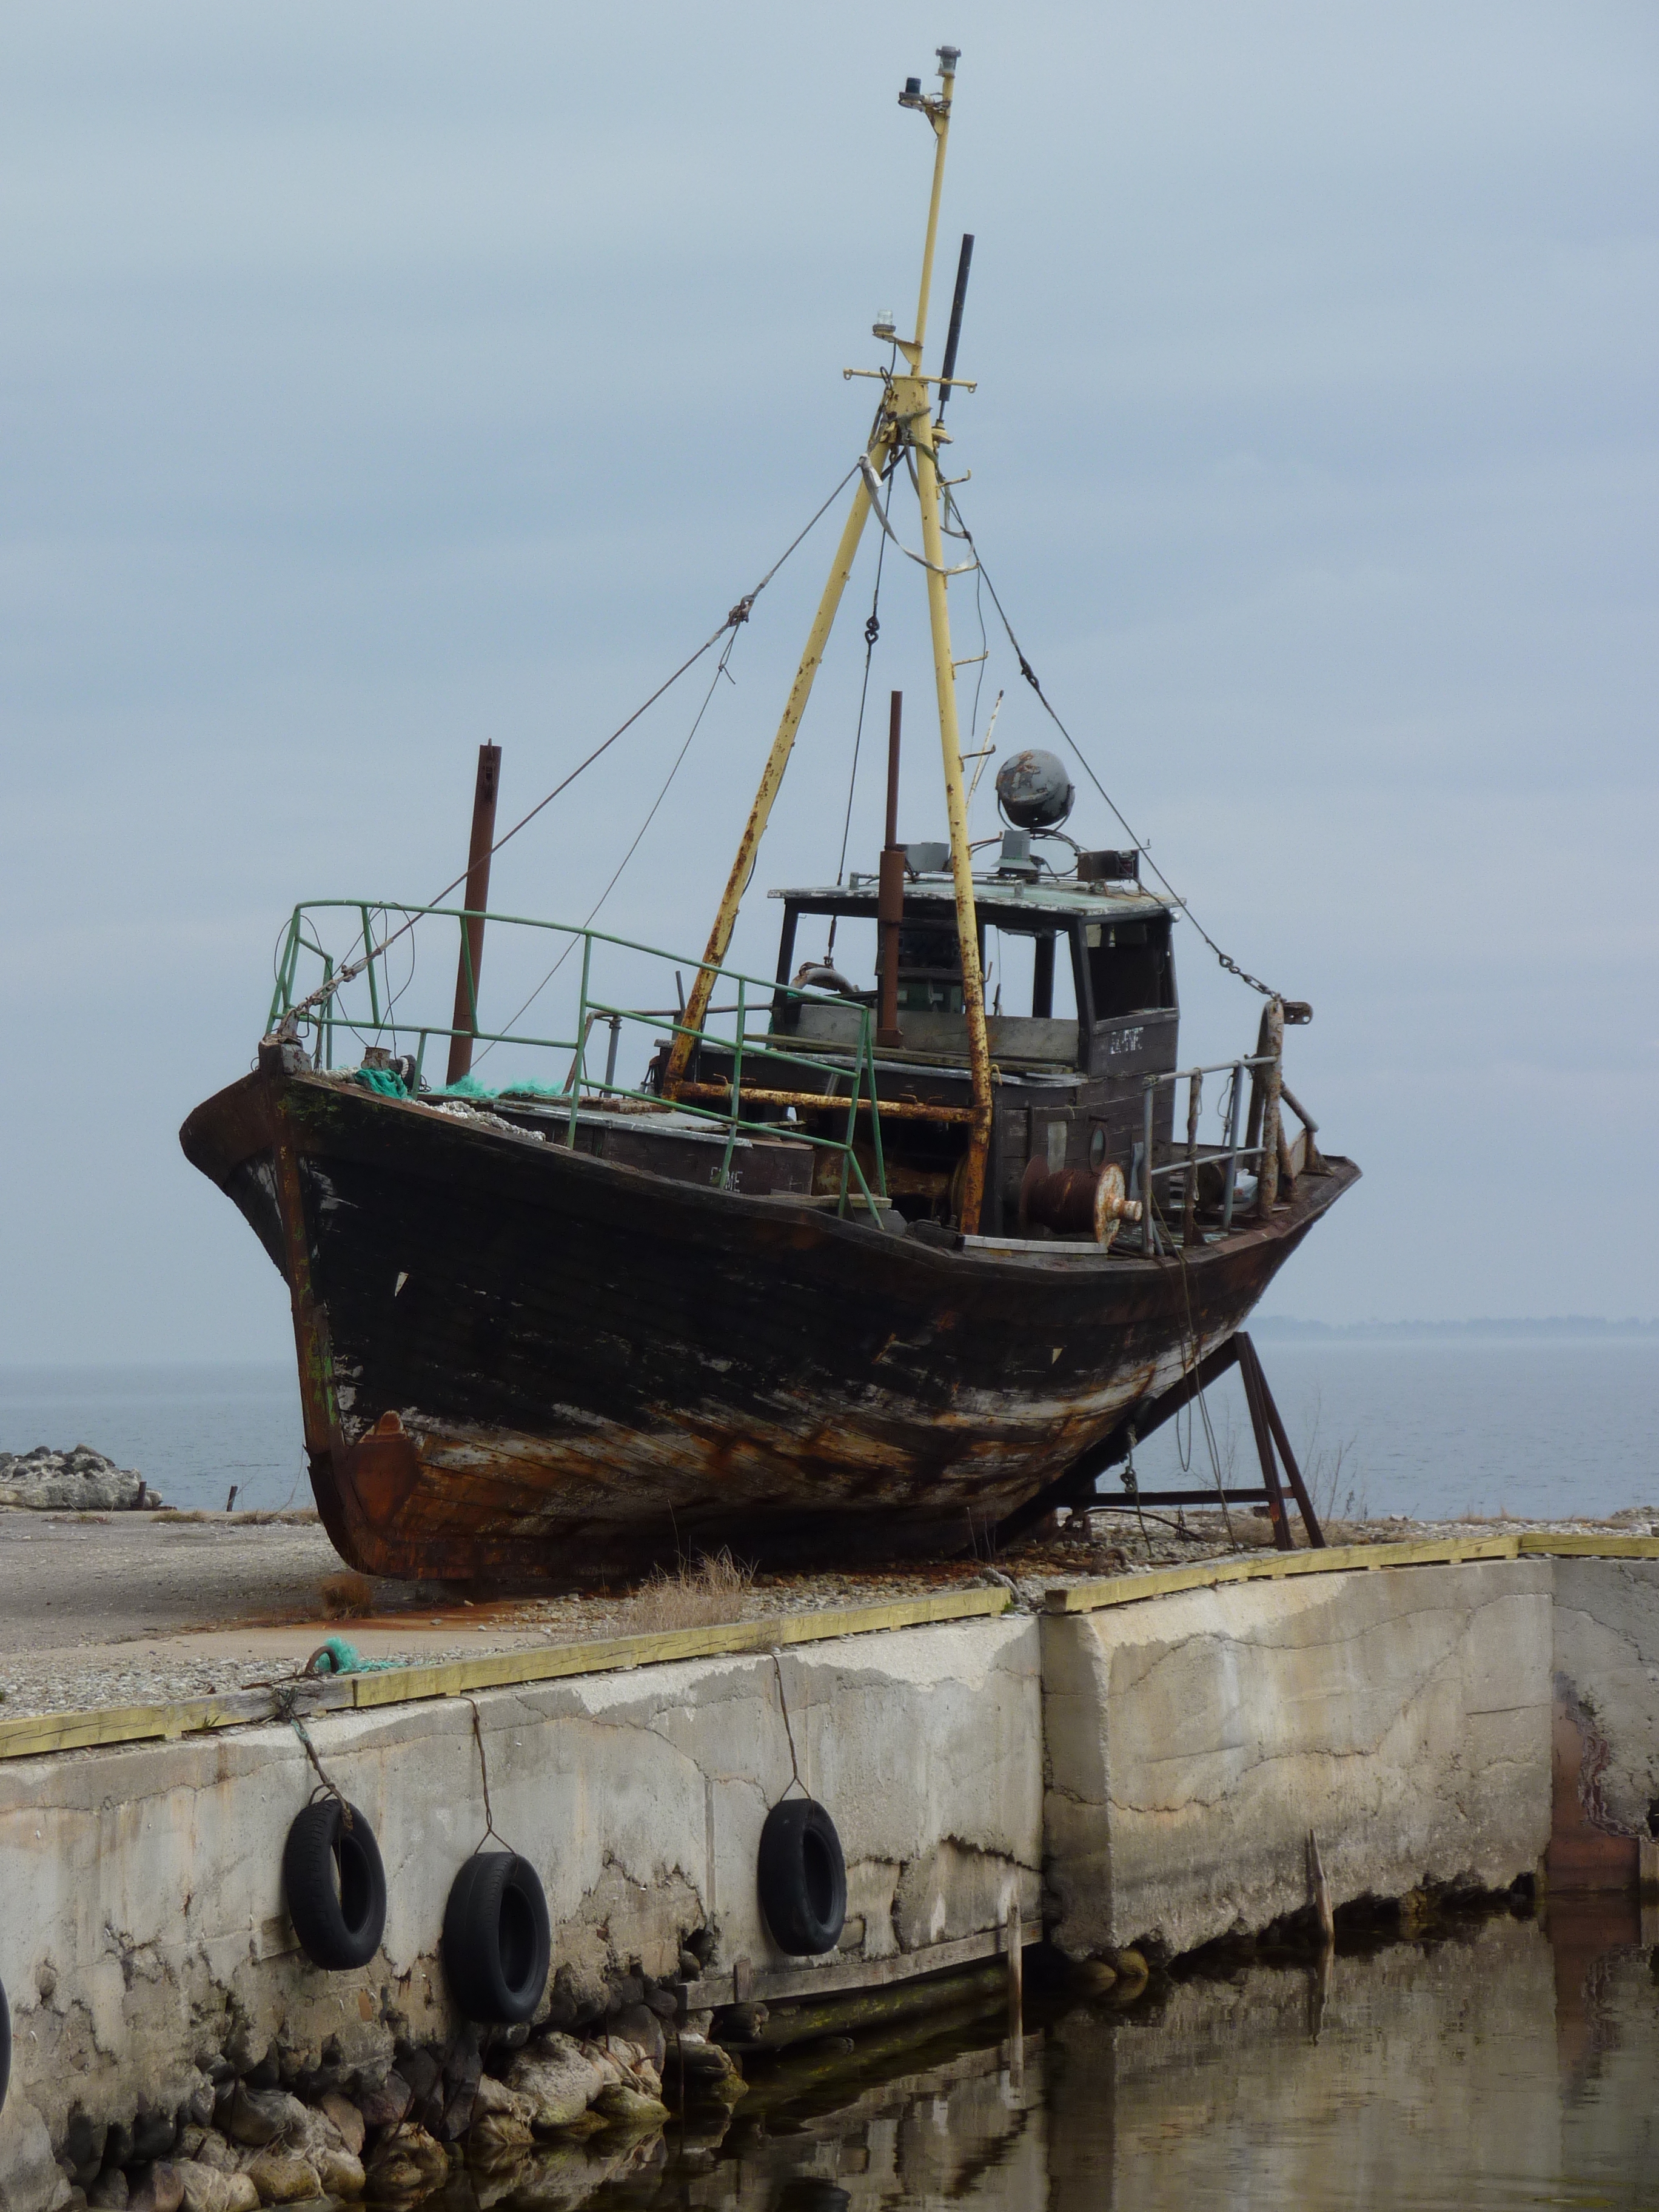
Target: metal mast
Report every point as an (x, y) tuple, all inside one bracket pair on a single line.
[(906, 418)]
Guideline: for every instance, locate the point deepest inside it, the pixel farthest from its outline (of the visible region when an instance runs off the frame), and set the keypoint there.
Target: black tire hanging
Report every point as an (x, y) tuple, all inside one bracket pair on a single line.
[(5, 2046), (497, 1941), (803, 1878), (335, 1886)]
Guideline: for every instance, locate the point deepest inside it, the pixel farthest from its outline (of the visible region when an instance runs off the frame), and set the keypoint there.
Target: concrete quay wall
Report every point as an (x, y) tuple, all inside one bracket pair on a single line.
[(142, 1934), (1192, 1742), (1145, 1772)]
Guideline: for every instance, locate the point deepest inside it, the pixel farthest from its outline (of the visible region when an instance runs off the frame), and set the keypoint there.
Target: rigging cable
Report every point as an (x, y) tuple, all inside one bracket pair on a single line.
[(740, 613), (721, 669), (1032, 677), (871, 632)]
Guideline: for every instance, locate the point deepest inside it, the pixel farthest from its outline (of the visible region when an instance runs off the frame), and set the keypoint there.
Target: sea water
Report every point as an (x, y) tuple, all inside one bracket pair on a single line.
[(1542, 1426), (1512, 2064)]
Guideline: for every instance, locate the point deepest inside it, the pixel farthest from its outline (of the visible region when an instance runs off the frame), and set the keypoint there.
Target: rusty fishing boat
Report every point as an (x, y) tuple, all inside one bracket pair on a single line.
[(851, 1269)]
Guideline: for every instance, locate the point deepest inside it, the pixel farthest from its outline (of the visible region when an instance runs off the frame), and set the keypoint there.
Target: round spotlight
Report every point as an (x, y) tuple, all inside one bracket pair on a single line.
[(1034, 791)]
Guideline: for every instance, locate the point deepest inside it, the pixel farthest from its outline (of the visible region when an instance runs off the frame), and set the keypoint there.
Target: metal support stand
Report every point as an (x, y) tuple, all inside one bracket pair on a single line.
[(1077, 1485)]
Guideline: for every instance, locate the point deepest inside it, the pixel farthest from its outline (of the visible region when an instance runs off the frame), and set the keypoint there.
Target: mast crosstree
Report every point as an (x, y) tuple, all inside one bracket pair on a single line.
[(905, 419)]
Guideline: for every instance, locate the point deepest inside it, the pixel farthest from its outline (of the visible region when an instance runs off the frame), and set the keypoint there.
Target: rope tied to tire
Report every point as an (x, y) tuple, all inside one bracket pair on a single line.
[(794, 1781), (498, 1938), (333, 1881), (801, 1870), (490, 1829), (287, 1697)]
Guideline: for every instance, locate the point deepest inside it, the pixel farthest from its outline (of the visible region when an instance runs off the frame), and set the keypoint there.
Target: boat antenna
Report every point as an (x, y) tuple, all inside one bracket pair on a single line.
[(947, 372)]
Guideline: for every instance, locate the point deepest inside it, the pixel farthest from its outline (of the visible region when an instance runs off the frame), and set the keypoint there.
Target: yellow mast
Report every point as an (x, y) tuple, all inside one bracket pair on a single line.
[(906, 418), (719, 937)]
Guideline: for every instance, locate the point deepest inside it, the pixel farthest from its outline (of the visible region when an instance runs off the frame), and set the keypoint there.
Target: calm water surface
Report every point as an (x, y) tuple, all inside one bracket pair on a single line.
[(1510, 2066), (1543, 1427)]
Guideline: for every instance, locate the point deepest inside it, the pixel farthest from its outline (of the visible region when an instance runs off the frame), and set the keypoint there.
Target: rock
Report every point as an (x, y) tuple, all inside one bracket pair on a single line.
[(421, 2069), (629, 2107), (385, 2107), (347, 2120), (257, 2117), (78, 1481), (642, 2028), (690, 1967), (215, 2151), (118, 2143), (340, 2172), (456, 2118), (463, 2061), (406, 2163), (156, 2188), (495, 2137), (83, 2148), (281, 2176), (662, 2001), (493, 2098), (558, 2079), (206, 2189), (241, 2195), (109, 2192), (154, 2135)]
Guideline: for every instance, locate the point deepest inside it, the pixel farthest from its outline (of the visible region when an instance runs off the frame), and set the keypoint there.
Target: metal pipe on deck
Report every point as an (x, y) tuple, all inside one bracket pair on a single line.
[(470, 961)]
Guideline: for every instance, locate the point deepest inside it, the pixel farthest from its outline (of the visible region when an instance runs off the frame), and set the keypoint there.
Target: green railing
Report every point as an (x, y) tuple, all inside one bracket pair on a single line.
[(364, 1007)]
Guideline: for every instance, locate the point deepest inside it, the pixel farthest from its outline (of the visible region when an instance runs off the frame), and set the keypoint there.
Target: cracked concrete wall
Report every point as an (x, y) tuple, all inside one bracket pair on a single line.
[(1193, 1740), (142, 1927), (1606, 1669)]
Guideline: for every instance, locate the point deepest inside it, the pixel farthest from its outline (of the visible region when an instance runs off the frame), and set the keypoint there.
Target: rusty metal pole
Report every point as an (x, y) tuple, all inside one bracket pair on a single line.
[(1272, 1036), (470, 961), (890, 897), (1189, 1196)]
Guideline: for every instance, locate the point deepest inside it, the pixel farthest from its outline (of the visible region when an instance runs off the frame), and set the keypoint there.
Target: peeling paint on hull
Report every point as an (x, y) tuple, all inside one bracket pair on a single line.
[(518, 1360)]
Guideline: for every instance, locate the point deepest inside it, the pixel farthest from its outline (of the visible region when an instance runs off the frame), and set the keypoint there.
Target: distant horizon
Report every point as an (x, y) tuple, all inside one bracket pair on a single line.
[(1277, 1325)]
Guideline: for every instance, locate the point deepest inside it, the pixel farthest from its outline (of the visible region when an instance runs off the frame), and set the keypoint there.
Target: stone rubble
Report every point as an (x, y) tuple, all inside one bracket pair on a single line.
[(515, 2107), (78, 1481)]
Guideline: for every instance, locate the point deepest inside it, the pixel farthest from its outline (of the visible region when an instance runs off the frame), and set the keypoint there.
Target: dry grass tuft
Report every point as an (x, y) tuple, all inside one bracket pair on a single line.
[(346, 1596), (713, 1591)]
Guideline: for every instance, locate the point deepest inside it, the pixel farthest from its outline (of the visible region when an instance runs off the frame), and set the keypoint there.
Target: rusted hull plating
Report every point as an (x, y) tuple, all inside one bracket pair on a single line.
[(519, 1360)]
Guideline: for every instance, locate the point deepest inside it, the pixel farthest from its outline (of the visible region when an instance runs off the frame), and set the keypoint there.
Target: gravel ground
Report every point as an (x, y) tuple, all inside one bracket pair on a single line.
[(134, 1608)]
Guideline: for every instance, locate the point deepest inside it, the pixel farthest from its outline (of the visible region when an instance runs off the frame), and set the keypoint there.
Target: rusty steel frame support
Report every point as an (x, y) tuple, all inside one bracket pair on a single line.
[(470, 960), (1076, 1486)]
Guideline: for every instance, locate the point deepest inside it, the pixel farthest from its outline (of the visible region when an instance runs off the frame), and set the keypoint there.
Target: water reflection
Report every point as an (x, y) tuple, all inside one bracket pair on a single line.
[(1514, 2063)]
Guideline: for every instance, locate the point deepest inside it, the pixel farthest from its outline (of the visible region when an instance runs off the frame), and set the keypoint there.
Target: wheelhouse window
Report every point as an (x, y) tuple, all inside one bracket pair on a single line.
[(1130, 970)]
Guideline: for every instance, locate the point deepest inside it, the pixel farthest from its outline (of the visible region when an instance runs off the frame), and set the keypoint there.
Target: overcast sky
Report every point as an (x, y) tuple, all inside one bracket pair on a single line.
[(380, 378)]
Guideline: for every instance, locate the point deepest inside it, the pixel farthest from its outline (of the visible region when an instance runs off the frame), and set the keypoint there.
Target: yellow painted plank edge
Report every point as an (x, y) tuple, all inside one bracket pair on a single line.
[(1591, 1546), (511, 1670), (31, 1735), (1337, 1558)]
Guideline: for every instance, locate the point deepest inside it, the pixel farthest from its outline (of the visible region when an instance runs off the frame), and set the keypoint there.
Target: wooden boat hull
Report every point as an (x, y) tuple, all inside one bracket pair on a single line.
[(519, 1360)]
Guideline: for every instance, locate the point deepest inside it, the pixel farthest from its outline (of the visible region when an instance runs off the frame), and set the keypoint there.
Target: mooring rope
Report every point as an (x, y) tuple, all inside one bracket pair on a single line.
[(795, 1780), (287, 1697), (490, 1829)]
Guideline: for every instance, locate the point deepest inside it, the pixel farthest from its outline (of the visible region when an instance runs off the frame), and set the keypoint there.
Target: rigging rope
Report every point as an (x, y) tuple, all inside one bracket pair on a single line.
[(1032, 679), (721, 669), (871, 632), (738, 614)]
